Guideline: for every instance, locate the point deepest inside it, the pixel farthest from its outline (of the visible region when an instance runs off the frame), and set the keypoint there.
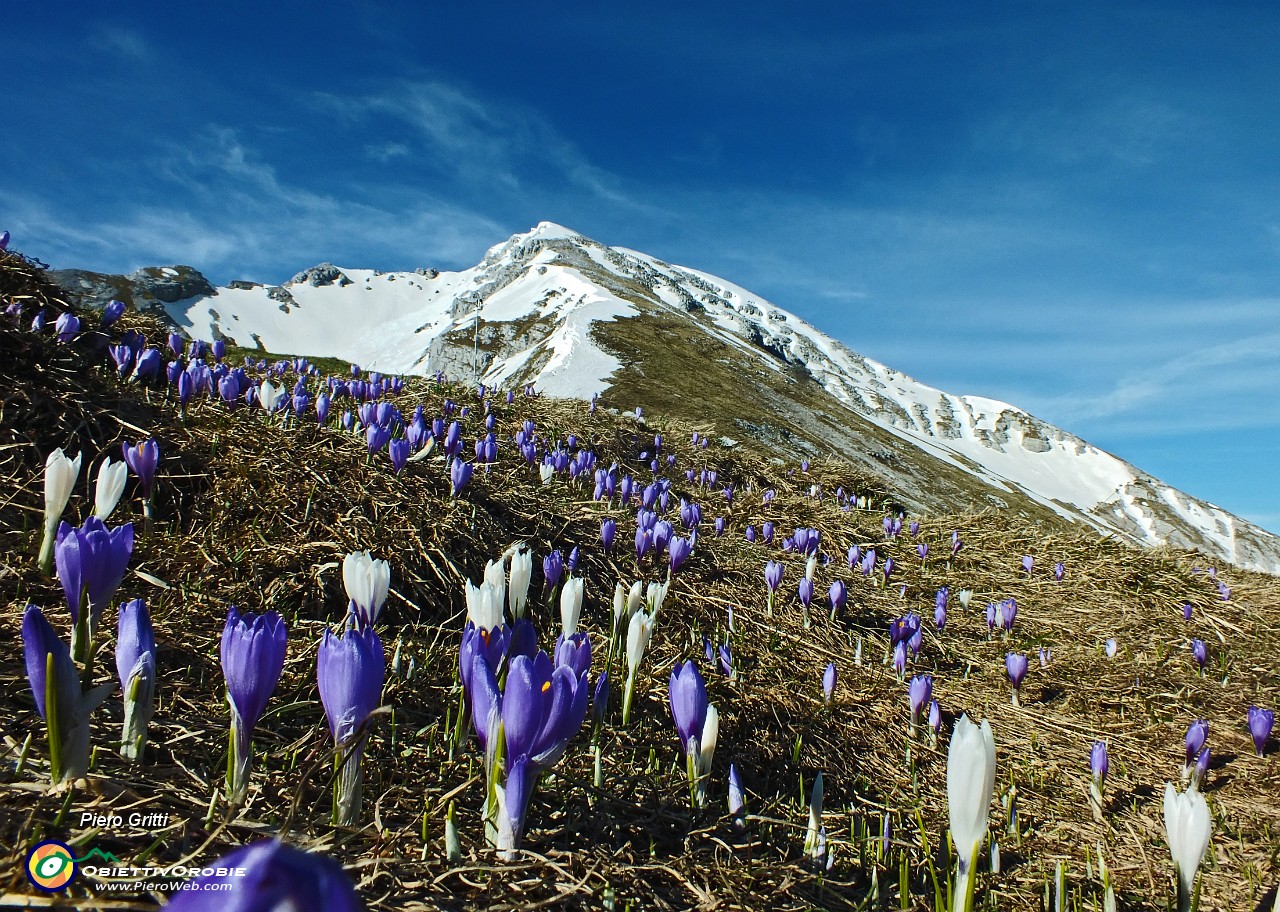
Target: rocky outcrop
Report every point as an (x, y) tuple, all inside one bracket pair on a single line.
[(146, 290), (318, 276)]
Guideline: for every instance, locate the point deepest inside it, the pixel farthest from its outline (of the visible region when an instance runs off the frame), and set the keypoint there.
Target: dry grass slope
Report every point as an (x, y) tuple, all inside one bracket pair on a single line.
[(260, 516)]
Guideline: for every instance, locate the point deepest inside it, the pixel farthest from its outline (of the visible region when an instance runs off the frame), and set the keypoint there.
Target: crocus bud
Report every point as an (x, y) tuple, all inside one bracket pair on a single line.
[(520, 577), (67, 325), (143, 459), (1200, 653), (1260, 722), (252, 653), (367, 582), (268, 875), (1016, 664), (350, 672), (55, 685), (971, 779), (60, 475), (829, 683), (1197, 734), (919, 692), (136, 668), (111, 479), (638, 633), (111, 313), (737, 798), (1187, 826), (571, 604)]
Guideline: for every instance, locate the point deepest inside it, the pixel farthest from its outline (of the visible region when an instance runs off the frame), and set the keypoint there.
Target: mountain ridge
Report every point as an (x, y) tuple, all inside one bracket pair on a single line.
[(554, 308)]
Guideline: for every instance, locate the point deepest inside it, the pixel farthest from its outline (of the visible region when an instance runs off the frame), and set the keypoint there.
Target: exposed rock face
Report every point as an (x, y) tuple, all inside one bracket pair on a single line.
[(318, 276), (147, 289)]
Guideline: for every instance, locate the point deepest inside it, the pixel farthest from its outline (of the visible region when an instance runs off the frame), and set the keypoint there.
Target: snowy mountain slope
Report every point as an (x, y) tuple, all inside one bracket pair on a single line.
[(575, 317)]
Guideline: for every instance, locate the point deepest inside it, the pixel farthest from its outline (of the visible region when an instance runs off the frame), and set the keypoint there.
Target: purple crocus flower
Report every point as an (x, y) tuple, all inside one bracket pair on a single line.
[(91, 560), (688, 694), (460, 474), (829, 683), (122, 355), (275, 876), (149, 364), (67, 325), (142, 460), (806, 593), (920, 692), (398, 451), (69, 725), (1027, 563), (1197, 734), (726, 659), (350, 671), (252, 652), (600, 699), (888, 569), (1008, 614), (1186, 611), (680, 548), (323, 402), (750, 533), (540, 709), (838, 594), (552, 568), (1200, 653), (1098, 763), (923, 550), (1260, 722), (900, 657), (1016, 664), (935, 717), (175, 344), (719, 526), (773, 575), (39, 321), (574, 652), (1201, 767), (608, 531), (853, 556), (136, 668), (4, 240), (1059, 571)]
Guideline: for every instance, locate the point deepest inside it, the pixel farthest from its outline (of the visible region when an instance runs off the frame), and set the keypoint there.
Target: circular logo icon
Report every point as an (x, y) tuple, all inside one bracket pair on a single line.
[(51, 866)]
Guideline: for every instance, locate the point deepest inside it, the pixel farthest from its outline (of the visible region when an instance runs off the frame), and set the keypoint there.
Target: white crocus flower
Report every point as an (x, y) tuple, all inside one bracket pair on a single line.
[(571, 605), (546, 471), (966, 595), (521, 574), (815, 819), (639, 632), (1187, 825), (706, 752), (367, 582), (656, 595), (484, 605), (971, 779), (811, 567), (60, 474), (111, 479), (495, 576)]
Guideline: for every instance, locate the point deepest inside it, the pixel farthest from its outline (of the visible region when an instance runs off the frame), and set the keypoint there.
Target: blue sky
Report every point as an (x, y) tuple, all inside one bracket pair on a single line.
[(1071, 207)]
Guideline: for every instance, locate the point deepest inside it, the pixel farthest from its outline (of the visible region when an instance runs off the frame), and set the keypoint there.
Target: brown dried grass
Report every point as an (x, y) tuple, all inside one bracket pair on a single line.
[(260, 516)]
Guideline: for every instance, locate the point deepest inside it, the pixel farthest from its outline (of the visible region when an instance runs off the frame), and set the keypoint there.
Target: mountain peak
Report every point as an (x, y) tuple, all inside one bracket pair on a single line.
[(556, 309)]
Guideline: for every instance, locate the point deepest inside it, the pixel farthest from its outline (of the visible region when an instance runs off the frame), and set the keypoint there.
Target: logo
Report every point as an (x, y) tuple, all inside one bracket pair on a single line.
[(51, 866)]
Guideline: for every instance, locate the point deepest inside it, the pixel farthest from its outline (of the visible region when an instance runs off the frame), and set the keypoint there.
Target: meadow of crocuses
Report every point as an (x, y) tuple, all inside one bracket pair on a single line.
[(384, 642)]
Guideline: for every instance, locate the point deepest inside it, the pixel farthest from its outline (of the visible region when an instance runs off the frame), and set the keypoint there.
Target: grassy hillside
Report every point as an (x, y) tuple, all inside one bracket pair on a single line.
[(260, 514)]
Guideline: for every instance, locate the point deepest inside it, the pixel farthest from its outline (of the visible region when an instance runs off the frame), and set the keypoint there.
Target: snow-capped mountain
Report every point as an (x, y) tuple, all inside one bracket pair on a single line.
[(575, 317)]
